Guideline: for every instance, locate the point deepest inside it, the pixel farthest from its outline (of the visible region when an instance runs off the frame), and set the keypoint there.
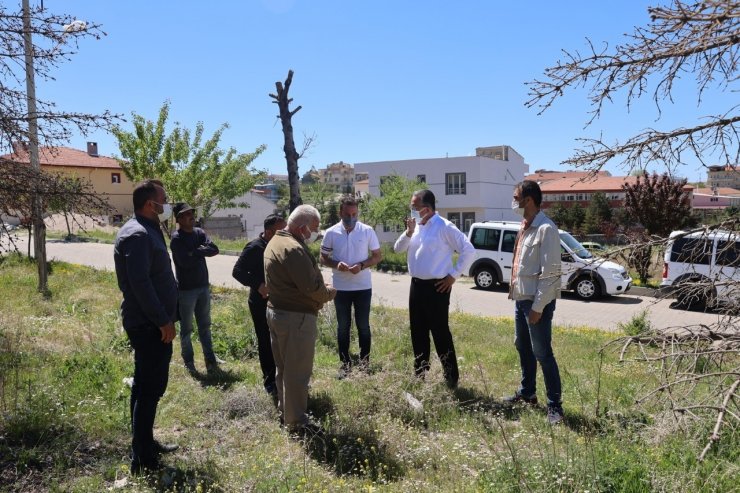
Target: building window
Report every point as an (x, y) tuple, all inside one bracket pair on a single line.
[(454, 218), (115, 177), (421, 178), (393, 228), (468, 218), (455, 183)]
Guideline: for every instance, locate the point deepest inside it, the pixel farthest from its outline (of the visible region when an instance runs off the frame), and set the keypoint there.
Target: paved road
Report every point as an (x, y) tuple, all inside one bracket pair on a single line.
[(392, 290)]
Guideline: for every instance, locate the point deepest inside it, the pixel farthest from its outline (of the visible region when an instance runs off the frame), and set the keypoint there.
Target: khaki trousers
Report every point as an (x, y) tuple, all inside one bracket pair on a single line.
[(293, 341)]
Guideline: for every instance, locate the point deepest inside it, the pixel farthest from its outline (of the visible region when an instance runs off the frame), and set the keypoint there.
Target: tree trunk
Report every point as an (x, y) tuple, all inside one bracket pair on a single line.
[(291, 155)]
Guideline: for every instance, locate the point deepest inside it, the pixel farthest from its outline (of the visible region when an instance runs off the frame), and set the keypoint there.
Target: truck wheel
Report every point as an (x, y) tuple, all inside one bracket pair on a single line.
[(587, 288), (485, 277)]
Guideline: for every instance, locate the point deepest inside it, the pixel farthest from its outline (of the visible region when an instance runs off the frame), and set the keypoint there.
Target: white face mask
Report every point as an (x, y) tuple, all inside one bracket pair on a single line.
[(312, 237), (516, 208), (166, 212), (416, 215)]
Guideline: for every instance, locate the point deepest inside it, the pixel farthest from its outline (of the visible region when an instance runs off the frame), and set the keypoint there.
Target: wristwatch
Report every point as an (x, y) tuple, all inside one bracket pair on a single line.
[(362, 265)]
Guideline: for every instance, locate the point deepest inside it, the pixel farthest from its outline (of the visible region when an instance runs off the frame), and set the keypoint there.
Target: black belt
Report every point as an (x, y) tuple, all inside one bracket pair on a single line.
[(424, 281)]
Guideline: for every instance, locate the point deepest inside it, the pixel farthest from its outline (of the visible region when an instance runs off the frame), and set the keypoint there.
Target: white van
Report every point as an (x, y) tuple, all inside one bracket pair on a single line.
[(703, 268), (589, 277)]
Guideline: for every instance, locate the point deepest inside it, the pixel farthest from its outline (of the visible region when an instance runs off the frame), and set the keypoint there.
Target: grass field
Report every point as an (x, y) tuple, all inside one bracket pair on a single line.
[(64, 409)]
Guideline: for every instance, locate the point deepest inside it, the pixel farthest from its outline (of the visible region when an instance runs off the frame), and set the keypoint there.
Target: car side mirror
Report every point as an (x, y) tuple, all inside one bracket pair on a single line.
[(566, 257)]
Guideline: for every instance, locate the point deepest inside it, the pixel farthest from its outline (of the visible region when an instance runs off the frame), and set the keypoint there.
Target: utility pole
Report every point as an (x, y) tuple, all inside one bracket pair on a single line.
[(39, 228)]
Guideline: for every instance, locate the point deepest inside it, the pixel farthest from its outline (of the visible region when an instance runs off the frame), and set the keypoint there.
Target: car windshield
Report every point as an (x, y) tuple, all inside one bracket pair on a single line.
[(575, 246)]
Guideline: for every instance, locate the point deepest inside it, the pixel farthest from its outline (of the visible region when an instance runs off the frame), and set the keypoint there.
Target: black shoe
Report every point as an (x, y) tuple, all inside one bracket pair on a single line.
[(555, 415), (307, 431), (141, 466), (518, 398), (164, 448), (271, 389), (344, 371)]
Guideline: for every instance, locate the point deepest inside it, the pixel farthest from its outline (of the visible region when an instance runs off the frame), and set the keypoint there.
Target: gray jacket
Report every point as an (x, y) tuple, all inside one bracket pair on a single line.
[(539, 269)]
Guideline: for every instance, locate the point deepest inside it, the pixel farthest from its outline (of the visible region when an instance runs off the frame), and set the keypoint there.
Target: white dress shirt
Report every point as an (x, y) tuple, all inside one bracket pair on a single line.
[(430, 249)]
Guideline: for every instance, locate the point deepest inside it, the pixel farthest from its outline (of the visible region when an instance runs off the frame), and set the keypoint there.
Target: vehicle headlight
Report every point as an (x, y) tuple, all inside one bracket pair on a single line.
[(616, 274)]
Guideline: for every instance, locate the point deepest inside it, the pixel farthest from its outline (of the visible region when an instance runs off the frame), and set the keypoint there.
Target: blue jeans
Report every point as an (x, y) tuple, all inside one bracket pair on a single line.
[(534, 344), (195, 302), (343, 303)]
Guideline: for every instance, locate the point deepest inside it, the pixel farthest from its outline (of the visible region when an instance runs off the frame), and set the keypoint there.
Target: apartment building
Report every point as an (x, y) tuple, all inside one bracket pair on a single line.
[(340, 175), (468, 189), (724, 176)]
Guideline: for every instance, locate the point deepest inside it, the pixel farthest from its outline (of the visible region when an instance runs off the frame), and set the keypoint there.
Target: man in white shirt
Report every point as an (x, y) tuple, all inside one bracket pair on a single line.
[(535, 285), (430, 241), (350, 248)]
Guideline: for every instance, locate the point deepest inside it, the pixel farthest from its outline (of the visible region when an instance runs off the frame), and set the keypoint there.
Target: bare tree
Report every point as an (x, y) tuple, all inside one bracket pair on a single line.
[(699, 38), (699, 366), (291, 154), (23, 117)]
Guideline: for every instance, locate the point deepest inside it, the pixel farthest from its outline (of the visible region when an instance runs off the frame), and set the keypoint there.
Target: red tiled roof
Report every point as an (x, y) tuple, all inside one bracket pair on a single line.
[(543, 176), (597, 183), (720, 191), (65, 156)]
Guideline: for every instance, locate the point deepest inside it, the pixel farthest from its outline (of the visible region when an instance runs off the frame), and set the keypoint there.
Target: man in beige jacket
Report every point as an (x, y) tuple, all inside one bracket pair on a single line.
[(297, 293)]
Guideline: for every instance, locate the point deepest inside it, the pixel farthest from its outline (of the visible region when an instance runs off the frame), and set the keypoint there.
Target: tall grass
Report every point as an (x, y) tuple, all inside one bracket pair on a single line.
[(64, 421)]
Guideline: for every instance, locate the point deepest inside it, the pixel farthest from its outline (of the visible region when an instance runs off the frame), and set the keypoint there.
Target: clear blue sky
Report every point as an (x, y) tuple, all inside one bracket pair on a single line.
[(378, 80)]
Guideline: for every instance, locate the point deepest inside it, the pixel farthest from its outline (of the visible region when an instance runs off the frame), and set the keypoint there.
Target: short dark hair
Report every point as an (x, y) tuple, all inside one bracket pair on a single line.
[(427, 198), (272, 220), (145, 191), (529, 188), (347, 200)]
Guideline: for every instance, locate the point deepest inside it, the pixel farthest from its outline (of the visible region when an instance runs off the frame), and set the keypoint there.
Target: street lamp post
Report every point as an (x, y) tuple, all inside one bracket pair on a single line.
[(39, 228)]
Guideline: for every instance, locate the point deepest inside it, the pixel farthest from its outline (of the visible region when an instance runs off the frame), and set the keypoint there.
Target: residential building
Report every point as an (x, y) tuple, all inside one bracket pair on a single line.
[(104, 173), (362, 187), (468, 189), (724, 176), (543, 175), (580, 189), (252, 216), (271, 186), (500, 153), (715, 198), (340, 175)]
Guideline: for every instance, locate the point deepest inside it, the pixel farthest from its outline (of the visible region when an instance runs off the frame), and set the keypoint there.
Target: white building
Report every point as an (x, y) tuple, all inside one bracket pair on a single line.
[(253, 216), (467, 189)]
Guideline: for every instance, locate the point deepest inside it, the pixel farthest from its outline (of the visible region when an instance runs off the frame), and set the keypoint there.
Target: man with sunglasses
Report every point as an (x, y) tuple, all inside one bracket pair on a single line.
[(148, 310)]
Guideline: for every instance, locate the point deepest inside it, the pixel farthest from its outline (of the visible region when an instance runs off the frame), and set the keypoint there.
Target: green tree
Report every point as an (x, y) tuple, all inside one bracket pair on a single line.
[(598, 212), (391, 208), (576, 216), (310, 177), (559, 215), (193, 169)]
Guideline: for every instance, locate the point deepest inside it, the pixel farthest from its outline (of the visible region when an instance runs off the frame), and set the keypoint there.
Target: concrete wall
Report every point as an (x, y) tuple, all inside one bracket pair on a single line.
[(252, 217)]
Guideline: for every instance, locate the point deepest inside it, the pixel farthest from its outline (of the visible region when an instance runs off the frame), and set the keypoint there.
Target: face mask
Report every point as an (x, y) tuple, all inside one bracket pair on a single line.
[(516, 208), (349, 222), (416, 215), (166, 212), (312, 237)]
